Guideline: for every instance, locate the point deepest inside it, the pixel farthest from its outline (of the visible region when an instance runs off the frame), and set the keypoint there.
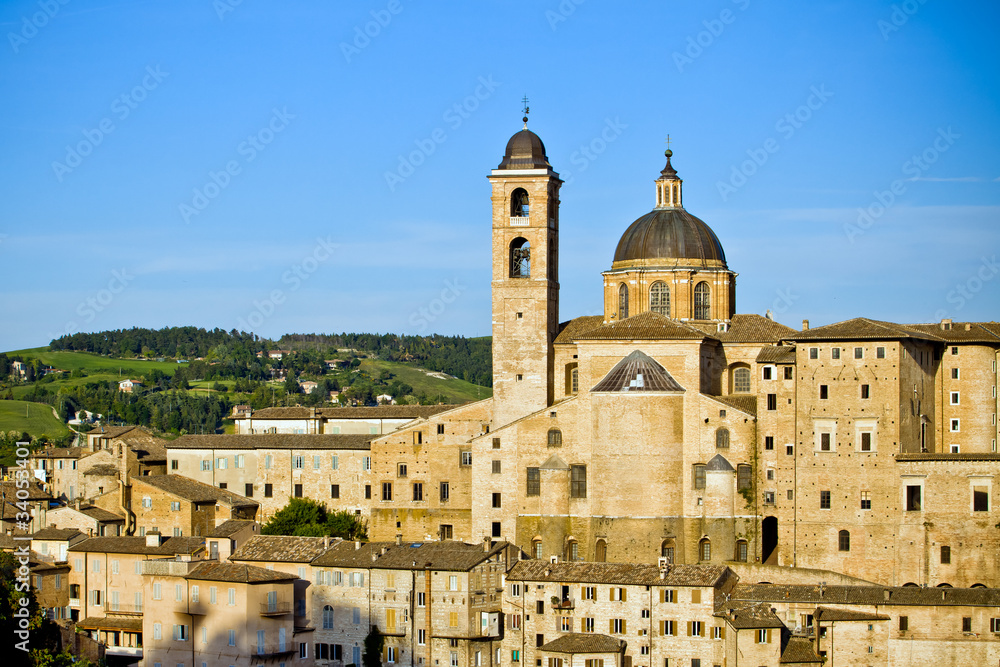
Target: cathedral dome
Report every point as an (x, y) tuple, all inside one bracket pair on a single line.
[(669, 237), (525, 150)]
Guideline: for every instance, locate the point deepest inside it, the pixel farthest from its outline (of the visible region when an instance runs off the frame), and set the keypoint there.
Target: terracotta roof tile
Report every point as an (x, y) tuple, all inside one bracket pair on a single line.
[(56, 534), (947, 456), (800, 650), (569, 330), (831, 614), (100, 514), (617, 573), (230, 527), (102, 470), (752, 328), (274, 441), (869, 595), (133, 624), (369, 412), (137, 545), (236, 573), (644, 326), (742, 402), (861, 328), (577, 642), (776, 354), (963, 332), (280, 548), (194, 491), (59, 453), (743, 615)]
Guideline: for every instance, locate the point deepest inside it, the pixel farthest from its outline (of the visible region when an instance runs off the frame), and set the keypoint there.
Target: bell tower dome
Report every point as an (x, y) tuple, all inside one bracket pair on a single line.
[(525, 285)]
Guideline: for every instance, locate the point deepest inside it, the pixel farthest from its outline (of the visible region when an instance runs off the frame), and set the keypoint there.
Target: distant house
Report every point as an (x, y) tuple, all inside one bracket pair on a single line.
[(19, 368), (241, 411), (129, 386), (385, 399), (278, 354), (333, 364), (308, 386)]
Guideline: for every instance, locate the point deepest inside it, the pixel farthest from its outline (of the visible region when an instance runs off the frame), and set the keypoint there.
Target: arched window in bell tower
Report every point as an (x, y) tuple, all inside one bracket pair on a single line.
[(702, 299), (622, 301), (519, 203), (520, 258), (659, 298)]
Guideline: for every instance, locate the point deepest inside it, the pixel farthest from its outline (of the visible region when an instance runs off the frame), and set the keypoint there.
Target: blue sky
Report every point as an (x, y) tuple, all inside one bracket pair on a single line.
[(321, 167)]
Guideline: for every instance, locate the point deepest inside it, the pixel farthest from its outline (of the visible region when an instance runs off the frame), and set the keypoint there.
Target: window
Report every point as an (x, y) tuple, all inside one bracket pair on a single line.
[(741, 551), (212, 594), (705, 550), (298, 491), (401, 470), (495, 466), (824, 500), (835, 353), (772, 401), (335, 490), (764, 636), (769, 442), (699, 475), (866, 500), (702, 302), (601, 551), (814, 353), (386, 490), (788, 372), (147, 502), (515, 656), (995, 625), (946, 555), (496, 500), (866, 391), (722, 438), (366, 463), (859, 353), (824, 392), (327, 617), (954, 350), (954, 398), (157, 631), (206, 465), (248, 490), (880, 353), (555, 436), (617, 594), (515, 590), (418, 491), (668, 628), (267, 461), (180, 633), (334, 462), (904, 623), (768, 371), (178, 593), (418, 437), (770, 474), (465, 458), (268, 490), (520, 258), (440, 429), (578, 481), (659, 298), (536, 548), (741, 380), (622, 301), (587, 624), (956, 425), (232, 597), (496, 529), (824, 442), (534, 483), (695, 629), (445, 531), (966, 624), (844, 540), (912, 498), (617, 626), (298, 462), (496, 443), (744, 476), (866, 441), (980, 499), (769, 497), (589, 593), (565, 624), (445, 490), (954, 373)]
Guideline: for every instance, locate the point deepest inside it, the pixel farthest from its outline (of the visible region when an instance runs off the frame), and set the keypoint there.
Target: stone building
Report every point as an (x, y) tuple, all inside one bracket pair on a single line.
[(373, 420), (673, 426), (178, 506)]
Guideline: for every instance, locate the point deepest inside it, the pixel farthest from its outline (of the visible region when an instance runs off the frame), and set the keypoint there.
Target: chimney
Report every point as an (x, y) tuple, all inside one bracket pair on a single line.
[(357, 545), (486, 544), (399, 539), (326, 541), (805, 325), (153, 539), (886, 595), (77, 503), (968, 326)]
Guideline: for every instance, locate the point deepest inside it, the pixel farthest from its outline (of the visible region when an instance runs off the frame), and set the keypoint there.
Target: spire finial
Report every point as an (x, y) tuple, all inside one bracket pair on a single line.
[(668, 152), (525, 110)]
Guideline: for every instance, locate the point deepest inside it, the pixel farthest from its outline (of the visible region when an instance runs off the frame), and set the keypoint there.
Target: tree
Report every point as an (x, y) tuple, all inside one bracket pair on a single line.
[(374, 643), (19, 610), (307, 517)]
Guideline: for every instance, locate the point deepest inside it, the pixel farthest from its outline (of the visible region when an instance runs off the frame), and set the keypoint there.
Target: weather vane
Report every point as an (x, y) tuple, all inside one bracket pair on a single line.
[(525, 111)]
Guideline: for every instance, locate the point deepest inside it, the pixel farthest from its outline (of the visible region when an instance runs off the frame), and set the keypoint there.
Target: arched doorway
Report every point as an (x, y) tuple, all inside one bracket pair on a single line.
[(769, 539)]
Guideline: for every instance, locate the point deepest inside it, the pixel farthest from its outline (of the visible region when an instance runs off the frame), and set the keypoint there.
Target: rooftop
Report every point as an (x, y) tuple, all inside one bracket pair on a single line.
[(869, 595), (617, 573), (274, 441), (230, 527), (281, 548), (193, 490), (236, 573), (577, 642), (137, 545), (370, 412)]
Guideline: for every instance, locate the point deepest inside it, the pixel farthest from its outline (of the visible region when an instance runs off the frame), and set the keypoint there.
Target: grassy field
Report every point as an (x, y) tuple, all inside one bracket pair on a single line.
[(458, 391), (94, 363), (39, 419)]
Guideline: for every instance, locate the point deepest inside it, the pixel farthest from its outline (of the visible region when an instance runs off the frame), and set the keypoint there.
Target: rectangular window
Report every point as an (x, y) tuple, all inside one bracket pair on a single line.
[(824, 442), (859, 353), (772, 401), (386, 490), (421, 637), (368, 491), (763, 636), (788, 372), (767, 372), (956, 425), (824, 392), (954, 373), (206, 465), (769, 442), (966, 624), (946, 555), (589, 593), (913, 498), (866, 500), (866, 441), (335, 490), (496, 467), (534, 485), (814, 353), (240, 461), (180, 633), (980, 499), (400, 470), (668, 628), (418, 491), (366, 463), (695, 629), (617, 594), (835, 353), (880, 353), (995, 625), (866, 391), (418, 437), (824, 500), (578, 482), (268, 490), (496, 500), (445, 492), (954, 398), (298, 462), (317, 462), (298, 491), (446, 532), (954, 350), (212, 594), (699, 475), (334, 462), (465, 458), (157, 631), (617, 626), (744, 477), (232, 597), (248, 490)]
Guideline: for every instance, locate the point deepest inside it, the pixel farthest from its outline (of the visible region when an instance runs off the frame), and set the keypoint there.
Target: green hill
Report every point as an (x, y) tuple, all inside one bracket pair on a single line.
[(35, 418)]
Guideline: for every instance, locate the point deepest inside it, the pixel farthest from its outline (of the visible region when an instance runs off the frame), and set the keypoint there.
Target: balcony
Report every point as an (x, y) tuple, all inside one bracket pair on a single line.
[(563, 605), (271, 650), (518, 221), (122, 609), (74, 603), (127, 651), (275, 608)]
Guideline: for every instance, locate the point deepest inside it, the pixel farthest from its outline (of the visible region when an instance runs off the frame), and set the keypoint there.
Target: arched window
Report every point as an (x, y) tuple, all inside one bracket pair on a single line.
[(572, 379), (702, 297), (327, 617), (705, 549), (741, 551), (572, 551), (722, 438), (622, 301), (844, 540), (520, 258), (741, 380), (601, 551), (555, 436), (667, 550), (536, 548), (519, 203), (659, 298)]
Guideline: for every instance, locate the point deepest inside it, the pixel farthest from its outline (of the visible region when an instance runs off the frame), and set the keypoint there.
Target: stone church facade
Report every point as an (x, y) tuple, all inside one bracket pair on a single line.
[(674, 427)]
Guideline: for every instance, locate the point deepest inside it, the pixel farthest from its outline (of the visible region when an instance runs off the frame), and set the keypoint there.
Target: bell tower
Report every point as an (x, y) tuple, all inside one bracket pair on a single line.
[(525, 283)]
